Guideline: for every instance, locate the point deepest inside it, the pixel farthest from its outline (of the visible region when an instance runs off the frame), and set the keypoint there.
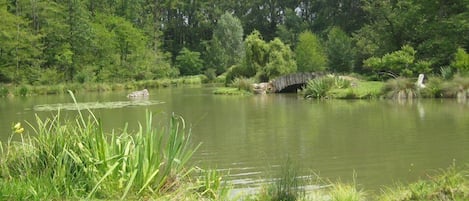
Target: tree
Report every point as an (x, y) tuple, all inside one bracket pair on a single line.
[(400, 63), (280, 60), (461, 61), (19, 48), (256, 56), (340, 51), (189, 62), (226, 47), (434, 28), (310, 54)]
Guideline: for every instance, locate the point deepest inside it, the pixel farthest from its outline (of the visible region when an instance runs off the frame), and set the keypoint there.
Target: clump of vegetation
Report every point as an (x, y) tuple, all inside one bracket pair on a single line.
[(231, 91), (447, 185), (433, 88), (458, 87), (319, 87), (4, 91), (344, 192), (400, 88), (77, 160), (242, 83)]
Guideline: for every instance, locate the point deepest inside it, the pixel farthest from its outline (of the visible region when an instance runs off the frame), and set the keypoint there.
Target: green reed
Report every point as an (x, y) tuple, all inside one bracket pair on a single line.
[(78, 160)]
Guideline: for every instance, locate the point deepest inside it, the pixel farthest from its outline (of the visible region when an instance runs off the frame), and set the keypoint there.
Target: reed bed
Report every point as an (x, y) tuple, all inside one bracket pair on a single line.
[(75, 159)]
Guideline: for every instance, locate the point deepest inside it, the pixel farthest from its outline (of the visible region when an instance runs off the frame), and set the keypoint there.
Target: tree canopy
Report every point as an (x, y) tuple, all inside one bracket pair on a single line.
[(47, 42)]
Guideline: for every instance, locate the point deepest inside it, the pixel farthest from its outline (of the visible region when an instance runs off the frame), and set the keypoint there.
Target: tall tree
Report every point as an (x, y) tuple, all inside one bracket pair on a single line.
[(226, 47), (340, 51), (310, 53)]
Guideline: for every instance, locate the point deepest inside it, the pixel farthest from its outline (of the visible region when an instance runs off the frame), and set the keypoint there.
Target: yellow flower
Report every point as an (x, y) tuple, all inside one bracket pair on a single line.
[(17, 126), (19, 131)]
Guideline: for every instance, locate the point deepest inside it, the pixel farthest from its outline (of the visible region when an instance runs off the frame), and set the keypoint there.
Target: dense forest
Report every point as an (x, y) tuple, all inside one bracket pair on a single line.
[(56, 41)]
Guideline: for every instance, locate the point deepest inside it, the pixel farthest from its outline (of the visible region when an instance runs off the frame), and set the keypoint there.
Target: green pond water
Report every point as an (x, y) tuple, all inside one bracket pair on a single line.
[(381, 142)]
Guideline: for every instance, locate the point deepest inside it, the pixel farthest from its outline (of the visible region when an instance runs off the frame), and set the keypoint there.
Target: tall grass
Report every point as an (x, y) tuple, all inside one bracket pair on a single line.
[(400, 88), (77, 160), (243, 83), (319, 87)]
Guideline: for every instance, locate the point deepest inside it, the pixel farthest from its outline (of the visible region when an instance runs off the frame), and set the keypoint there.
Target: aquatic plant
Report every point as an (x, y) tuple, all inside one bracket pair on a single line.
[(345, 192), (318, 88), (433, 88), (458, 87), (400, 88), (77, 160), (449, 184), (243, 83)]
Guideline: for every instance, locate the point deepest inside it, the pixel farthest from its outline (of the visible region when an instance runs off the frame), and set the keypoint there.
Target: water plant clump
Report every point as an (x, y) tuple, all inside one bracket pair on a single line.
[(75, 159), (400, 88)]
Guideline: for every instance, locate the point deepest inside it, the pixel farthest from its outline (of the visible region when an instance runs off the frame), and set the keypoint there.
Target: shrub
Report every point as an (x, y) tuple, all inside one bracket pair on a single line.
[(189, 62), (243, 83), (461, 61), (23, 90), (446, 73), (433, 88)]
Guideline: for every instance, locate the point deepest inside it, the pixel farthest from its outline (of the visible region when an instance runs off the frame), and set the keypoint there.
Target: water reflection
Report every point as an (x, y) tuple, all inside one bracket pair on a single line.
[(252, 137)]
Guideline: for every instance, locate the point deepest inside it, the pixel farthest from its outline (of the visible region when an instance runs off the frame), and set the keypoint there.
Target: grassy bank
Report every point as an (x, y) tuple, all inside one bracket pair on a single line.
[(28, 90)]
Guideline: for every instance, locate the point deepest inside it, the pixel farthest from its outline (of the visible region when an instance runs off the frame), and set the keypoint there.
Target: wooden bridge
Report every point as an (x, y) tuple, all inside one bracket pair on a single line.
[(292, 82)]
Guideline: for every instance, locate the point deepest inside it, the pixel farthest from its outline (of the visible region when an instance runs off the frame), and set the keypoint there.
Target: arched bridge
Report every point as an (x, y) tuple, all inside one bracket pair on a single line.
[(292, 82)]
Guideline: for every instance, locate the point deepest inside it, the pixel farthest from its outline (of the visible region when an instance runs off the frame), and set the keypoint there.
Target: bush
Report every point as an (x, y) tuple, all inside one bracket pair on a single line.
[(461, 61), (189, 62), (447, 72), (23, 90), (243, 83), (433, 88)]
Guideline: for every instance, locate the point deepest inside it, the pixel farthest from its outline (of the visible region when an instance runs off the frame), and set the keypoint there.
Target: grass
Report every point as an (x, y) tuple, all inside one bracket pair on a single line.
[(74, 159), (28, 90), (358, 90), (231, 91)]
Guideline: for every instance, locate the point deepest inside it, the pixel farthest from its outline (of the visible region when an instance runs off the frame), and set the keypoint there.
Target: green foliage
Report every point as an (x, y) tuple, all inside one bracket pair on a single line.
[(189, 62), (318, 88), (4, 91), (226, 47), (401, 62), (447, 72), (264, 60), (257, 54), (310, 54), (78, 160), (433, 88), (280, 61), (242, 83), (461, 61), (211, 185), (400, 88), (340, 51), (344, 192), (449, 184), (457, 88)]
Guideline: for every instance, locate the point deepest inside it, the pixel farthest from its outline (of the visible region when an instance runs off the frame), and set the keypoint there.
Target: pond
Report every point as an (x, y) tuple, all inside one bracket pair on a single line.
[(375, 142)]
